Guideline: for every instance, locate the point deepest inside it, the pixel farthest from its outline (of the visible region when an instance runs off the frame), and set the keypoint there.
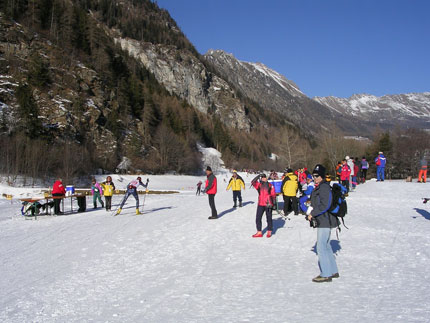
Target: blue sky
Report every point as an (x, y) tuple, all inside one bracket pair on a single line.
[(328, 47)]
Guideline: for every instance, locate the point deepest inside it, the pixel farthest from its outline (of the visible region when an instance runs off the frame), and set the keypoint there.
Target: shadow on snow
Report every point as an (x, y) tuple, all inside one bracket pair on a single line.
[(425, 214)]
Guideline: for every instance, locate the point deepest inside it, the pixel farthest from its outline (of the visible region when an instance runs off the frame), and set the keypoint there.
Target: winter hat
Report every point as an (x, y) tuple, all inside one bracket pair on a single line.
[(209, 168), (263, 175), (380, 153), (234, 171), (319, 170), (309, 176), (347, 157), (139, 178)]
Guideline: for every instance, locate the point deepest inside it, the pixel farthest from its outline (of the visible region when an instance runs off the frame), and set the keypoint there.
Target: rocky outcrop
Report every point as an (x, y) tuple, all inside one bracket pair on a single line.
[(184, 75)]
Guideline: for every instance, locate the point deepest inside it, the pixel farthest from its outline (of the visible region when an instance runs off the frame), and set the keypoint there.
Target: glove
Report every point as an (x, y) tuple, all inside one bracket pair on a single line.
[(309, 210), (147, 181), (203, 191)]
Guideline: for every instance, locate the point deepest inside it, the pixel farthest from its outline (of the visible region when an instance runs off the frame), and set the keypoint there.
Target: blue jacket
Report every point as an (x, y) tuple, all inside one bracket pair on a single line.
[(382, 159)]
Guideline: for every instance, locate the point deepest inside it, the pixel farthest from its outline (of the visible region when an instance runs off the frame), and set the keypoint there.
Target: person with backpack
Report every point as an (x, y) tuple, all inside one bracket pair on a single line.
[(132, 190), (364, 168), (211, 189), (289, 189), (380, 162), (266, 202), (345, 172), (319, 216), (236, 183)]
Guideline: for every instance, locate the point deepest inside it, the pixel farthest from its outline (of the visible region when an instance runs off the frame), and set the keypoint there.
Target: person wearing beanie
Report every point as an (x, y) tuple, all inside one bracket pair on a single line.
[(236, 183), (266, 201), (318, 213), (289, 188), (211, 189), (132, 190)]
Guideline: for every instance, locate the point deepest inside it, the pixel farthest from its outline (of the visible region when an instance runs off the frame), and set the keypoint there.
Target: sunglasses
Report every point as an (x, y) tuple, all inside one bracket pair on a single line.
[(316, 176)]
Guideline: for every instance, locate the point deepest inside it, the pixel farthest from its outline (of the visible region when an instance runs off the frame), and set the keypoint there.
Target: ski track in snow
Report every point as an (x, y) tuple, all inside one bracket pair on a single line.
[(171, 264)]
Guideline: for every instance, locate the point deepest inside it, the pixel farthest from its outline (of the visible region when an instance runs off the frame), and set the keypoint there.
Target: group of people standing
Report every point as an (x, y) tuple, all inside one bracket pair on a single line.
[(316, 189)]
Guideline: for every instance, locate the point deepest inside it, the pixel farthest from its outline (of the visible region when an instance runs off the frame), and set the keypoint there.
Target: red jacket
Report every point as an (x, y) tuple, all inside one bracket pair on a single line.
[(211, 184), (345, 172), (58, 188), (266, 193)]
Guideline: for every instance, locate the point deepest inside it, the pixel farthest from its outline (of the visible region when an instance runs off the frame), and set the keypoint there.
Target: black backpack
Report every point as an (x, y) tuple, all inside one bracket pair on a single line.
[(339, 207)]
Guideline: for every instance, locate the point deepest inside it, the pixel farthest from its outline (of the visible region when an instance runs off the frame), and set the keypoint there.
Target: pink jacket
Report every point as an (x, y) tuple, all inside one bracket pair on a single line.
[(99, 188), (266, 193)]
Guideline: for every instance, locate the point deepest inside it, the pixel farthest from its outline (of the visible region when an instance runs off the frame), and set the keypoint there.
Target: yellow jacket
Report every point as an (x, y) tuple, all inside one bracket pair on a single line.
[(290, 185), (236, 183), (108, 189)]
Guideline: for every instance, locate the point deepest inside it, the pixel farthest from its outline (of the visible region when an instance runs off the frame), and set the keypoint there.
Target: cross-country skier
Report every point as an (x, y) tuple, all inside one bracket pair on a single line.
[(132, 190), (266, 201), (236, 183)]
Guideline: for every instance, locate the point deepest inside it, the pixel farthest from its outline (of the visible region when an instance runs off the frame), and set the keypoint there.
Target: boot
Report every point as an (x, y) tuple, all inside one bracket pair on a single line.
[(118, 211), (138, 212), (259, 234), (240, 204), (269, 234), (234, 206), (319, 279)]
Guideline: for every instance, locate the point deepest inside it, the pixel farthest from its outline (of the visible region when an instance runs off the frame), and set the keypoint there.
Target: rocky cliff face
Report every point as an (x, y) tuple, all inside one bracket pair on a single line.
[(273, 91), (184, 75), (411, 109)]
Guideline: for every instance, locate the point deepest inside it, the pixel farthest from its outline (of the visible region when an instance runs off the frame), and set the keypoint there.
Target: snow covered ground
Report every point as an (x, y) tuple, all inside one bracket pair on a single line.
[(172, 264)]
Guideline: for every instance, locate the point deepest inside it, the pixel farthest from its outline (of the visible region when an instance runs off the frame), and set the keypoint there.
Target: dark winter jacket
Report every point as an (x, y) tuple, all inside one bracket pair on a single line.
[(321, 198)]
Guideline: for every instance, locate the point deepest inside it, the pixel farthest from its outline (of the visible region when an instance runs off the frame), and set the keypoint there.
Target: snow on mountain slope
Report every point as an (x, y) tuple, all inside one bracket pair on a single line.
[(172, 264), (408, 108)]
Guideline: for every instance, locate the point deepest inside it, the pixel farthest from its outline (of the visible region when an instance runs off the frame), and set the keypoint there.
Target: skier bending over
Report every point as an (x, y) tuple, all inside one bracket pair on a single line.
[(132, 190)]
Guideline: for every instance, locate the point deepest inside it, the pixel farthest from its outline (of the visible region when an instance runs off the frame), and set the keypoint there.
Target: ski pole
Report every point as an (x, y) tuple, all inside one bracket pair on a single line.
[(146, 193)]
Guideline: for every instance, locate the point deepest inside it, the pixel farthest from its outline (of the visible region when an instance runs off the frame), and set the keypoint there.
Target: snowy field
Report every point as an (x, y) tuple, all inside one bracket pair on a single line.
[(172, 264)]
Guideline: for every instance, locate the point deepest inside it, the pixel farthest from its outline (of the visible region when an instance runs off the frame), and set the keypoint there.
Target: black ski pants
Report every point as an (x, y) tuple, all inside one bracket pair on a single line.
[(259, 215), (108, 200), (57, 203), (290, 204), (212, 205), (237, 195), (345, 183)]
